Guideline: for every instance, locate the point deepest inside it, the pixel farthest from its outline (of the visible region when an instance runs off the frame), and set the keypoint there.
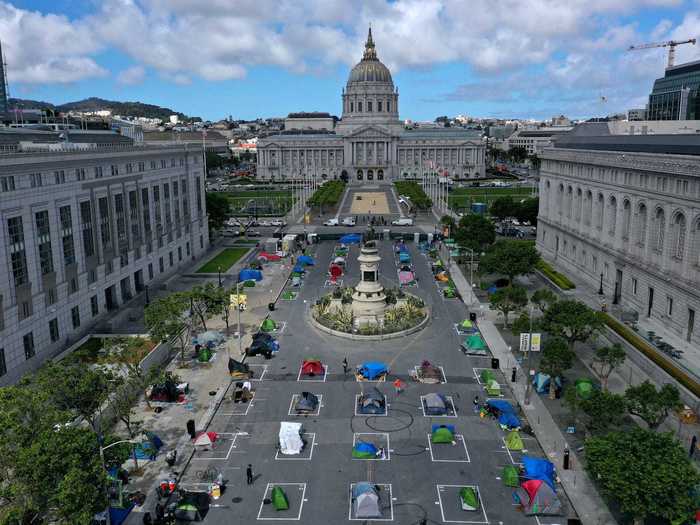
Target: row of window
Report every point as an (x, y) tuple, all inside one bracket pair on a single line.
[(371, 106)]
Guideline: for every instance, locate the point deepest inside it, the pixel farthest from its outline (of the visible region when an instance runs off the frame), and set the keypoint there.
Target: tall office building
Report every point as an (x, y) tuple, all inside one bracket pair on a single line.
[(87, 221), (676, 96)]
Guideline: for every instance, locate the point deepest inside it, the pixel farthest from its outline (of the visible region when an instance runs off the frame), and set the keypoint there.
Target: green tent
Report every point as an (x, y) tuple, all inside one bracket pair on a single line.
[(249, 284), (204, 355), (468, 498), (475, 342), (514, 441), (510, 476), (493, 388), (584, 387), (268, 325), (466, 324), (442, 435), (288, 295), (279, 499), (487, 375), (450, 292)]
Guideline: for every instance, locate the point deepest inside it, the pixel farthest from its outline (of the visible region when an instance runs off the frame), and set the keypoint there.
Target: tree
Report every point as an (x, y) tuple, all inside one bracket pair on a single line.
[(510, 258), (603, 410), (206, 301), (475, 232), (647, 474), (535, 161), (607, 359), (527, 210), (517, 154), (571, 320), (507, 300), (169, 318), (556, 358), (217, 209), (543, 298), (214, 160), (503, 207), (652, 405), (448, 220)]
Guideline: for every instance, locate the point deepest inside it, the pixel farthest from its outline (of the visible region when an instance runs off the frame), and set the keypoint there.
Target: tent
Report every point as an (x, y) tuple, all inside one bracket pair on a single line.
[(541, 383), (340, 261), (192, 506), (238, 370), (364, 450), (372, 370), (351, 238), (450, 292), (429, 374), (492, 387), (290, 442), (365, 501), (584, 388), (404, 257), (466, 327), (299, 268), (537, 499), (205, 439), (401, 248), (406, 277), (268, 325), (435, 404), (250, 275), (307, 402), (279, 498), (514, 441), (539, 468), (312, 367), (210, 338), (167, 391), (442, 434), (442, 277), (487, 375), (341, 251), (475, 345), (510, 476), (148, 447), (305, 260), (505, 413), (372, 401), (296, 280), (468, 498)]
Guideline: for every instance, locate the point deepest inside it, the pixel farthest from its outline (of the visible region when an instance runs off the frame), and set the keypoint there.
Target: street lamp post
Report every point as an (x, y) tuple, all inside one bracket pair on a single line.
[(147, 299), (218, 271), (238, 301), (600, 289), (528, 383)]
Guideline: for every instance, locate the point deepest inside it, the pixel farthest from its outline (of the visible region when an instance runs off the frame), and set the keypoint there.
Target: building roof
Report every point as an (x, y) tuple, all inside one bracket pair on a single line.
[(370, 68), (10, 136), (541, 133), (441, 133), (309, 114), (660, 144)]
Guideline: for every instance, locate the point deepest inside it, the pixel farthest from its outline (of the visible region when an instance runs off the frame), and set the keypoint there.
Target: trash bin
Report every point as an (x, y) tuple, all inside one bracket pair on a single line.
[(494, 363), (190, 428), (472, 317), (271, 307)]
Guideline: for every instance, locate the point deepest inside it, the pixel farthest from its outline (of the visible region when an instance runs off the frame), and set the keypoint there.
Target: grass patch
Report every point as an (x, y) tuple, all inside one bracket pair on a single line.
[(465, 197), (415, 192), (112, 350), (561, 280), (225, 259)]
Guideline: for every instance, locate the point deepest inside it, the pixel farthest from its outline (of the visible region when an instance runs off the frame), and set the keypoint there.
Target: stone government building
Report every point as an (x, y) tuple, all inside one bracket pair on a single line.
[(370, 144)]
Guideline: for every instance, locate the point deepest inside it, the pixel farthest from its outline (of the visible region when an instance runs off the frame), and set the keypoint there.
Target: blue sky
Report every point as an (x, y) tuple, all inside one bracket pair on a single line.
[(251, 58)]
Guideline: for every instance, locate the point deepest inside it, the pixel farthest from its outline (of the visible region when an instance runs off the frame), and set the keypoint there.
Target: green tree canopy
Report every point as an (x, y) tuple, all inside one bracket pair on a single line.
[(169, 317), (503, 207), (543, 298), (603, 410), (510, 258), (509, 299), (571, 320), (448, 220), (650, 404), (475, 232), (527, 210), (217, 209), (556, 358), (607, 359), (647, 474)]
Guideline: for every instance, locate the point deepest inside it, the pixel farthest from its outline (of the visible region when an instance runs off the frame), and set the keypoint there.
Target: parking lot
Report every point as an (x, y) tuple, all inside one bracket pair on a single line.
[(416, 479)]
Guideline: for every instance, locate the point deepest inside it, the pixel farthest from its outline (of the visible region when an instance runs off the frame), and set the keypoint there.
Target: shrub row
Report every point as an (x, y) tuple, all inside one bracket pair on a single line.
[(561, 280), (632, 338), (414, 192), (328, 194)]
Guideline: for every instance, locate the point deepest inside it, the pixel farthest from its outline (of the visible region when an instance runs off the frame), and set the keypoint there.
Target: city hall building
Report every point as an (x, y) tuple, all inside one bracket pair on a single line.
[(370, 144)]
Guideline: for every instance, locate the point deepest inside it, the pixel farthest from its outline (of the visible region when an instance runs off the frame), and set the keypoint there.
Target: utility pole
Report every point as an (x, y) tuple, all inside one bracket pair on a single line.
[(528, 382), (238, 301)]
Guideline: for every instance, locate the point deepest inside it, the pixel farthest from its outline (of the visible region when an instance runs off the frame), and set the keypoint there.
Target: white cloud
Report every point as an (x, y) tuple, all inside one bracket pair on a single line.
[(131, 76)]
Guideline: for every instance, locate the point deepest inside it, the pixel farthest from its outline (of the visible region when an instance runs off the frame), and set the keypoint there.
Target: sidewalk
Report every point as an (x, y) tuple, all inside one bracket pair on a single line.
[(588, 504)]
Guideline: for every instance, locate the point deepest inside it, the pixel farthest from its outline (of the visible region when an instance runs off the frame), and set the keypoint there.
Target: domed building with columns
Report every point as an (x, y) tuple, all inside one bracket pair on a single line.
[(370, 144)]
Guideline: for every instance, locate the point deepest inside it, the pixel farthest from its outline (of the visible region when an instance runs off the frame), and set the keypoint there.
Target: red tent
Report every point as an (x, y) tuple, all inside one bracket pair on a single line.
[(204, 439), (312, 367), (538, 498), (335, 271)]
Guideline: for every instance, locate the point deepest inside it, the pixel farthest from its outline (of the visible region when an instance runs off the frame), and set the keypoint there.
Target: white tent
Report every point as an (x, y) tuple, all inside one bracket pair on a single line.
[(290, 438), (366, 501)]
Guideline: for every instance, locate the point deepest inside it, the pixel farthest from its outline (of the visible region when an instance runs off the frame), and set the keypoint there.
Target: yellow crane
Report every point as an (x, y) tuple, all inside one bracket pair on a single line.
[(671, 45)]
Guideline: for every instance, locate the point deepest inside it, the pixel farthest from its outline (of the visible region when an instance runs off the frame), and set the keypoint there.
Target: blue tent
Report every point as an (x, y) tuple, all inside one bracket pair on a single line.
[(149, 447), (541, 382), (250, 275), (509, 420), (117, 515), (506, 413), (363, 450), (434, 427), (351, 238), (372, 370), (402, 248), (404, 257), (501, 405), (298, 269), (539, 468), (305, 260)]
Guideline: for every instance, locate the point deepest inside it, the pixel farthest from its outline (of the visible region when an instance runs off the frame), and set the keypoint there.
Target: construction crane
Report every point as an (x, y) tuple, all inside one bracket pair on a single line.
[(671, 45)]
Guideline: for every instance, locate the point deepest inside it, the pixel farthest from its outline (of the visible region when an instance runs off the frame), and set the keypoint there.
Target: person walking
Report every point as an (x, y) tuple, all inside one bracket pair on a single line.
[(475, 402), (345, 366), (249, 474), (398, 385)]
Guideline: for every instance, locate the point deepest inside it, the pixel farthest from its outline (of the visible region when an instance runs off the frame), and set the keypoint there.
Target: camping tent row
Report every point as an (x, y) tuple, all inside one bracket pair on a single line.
[(537, 494)]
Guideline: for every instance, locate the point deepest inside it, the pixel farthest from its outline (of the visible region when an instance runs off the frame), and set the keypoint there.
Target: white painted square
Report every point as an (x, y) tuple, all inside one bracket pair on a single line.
[(295, 398), (450, 507), (238, 409), (510, 452), (329, 284), (378, 439), (360, 414), (313, 379), (385, 489), (461, 445), (444, 377), (450, 401), (259, 372), (309, 444), (221, 450), (283, 515)]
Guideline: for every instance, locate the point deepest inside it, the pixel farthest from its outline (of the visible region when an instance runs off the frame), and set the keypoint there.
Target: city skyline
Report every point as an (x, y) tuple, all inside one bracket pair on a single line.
[(529, 60)]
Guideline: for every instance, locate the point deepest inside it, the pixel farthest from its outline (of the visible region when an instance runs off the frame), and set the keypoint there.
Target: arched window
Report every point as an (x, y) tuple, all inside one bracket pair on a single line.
[(370, 175), (579, 204), (351, 107), (380, 174), (626, 216), (660, 224), (560, 199), (679, 226), (569, 201), (359, 106), (599, 212), (642, 225), (612, 215), (359, 174), (589, 208)]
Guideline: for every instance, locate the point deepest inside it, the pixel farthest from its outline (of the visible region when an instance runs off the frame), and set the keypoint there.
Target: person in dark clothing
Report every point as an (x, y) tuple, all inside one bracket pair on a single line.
[(147, 519), (249, 474), (345, 366), (160, 513), (476, 403)]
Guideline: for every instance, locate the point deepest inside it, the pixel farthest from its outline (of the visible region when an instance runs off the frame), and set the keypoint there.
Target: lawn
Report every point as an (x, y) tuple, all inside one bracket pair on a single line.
[(225, 259), (273, 203), (464, 197)]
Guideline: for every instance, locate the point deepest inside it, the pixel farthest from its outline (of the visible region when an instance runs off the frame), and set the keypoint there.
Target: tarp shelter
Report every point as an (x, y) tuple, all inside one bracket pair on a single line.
[(210, 338), (268, 325), (435, 404), (404, 257), (279, 498), (312, 367), (148, 447), (539, 468), (584, 388), (492, 387), (118, 515), (192, 506), (250, 275), (305, 260), (510, 476), (487, 375), (167, 391), (365, 501), (468, 498), (290, 438), (298, 269), (537, 499), (237, 369), (364, 450), (372, 401), (505, 413), (351, 238), (541, 383), (372, 370), (406, 277), (442, 434), (205, 439), (430, 374), (514, 441), (307, 402)]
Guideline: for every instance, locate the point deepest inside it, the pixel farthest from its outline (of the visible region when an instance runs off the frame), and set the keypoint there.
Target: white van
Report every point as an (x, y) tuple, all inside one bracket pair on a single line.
[(331, 222), (349, 221), (405, 221)]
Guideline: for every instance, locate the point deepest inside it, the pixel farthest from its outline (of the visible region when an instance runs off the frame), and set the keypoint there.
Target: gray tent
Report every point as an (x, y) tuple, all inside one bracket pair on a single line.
[(365, 501), (538, 498), (307, 402), (435, 404), (372, 401)]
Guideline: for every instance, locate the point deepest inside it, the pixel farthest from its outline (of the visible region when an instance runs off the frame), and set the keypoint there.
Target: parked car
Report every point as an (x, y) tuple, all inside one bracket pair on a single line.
[(404, 221), (278, 222), (349, 221), (253, 233), (331, 222)]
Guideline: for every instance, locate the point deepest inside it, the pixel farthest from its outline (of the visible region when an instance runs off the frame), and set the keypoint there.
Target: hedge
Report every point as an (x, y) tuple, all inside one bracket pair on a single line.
[(414, 192), (328, 194), (561, 280), (640, 344)]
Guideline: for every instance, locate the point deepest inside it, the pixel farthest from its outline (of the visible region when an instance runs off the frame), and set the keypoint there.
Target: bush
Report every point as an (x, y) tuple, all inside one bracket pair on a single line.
[(414, 192), (415, 302), (561, 280), (328, 194)]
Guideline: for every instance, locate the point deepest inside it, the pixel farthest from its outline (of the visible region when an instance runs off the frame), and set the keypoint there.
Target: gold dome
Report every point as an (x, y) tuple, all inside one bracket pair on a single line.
[(370, 69)]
